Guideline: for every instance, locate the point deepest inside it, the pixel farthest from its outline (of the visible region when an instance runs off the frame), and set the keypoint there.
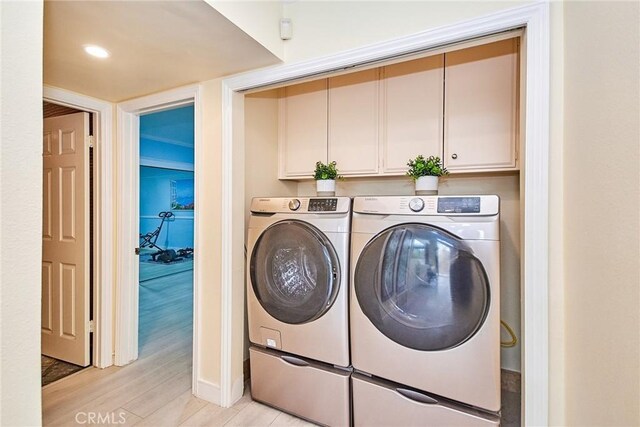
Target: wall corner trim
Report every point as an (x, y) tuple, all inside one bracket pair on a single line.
[(206, 390)]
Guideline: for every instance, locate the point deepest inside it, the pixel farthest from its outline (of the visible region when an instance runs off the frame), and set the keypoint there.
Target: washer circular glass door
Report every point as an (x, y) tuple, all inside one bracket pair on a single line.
[(422, 287), (294, 272)]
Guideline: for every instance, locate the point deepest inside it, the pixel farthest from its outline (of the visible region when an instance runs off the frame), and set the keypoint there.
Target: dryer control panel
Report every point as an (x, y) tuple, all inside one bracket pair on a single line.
[(471, 205), (301, 205)]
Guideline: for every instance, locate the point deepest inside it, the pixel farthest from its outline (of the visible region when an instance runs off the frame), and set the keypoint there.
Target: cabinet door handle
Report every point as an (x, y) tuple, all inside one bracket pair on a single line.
[(454, 156)]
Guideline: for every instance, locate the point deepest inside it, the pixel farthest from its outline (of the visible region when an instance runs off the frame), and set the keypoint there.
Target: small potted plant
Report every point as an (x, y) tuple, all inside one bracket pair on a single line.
[(425, 173), (325, 176)]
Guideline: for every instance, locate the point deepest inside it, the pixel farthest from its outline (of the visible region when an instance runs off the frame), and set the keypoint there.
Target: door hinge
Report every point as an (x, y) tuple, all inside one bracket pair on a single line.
[(91, 141), (91, 326)]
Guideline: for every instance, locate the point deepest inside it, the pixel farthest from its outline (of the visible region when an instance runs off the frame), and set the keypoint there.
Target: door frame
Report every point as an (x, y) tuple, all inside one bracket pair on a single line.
[(535, 262), (103, 215), (128, 171)]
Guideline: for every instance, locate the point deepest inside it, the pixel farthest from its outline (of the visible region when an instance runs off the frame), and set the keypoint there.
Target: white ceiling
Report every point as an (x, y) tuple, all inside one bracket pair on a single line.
[(154, 45)]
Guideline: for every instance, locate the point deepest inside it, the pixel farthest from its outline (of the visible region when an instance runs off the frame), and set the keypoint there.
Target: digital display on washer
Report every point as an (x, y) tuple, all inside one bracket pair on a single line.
[(323, 205), (459, 205)]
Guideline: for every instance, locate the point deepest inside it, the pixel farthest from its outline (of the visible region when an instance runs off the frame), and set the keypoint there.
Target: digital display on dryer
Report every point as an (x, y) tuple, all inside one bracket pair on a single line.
[(323, 205), (459, 205)]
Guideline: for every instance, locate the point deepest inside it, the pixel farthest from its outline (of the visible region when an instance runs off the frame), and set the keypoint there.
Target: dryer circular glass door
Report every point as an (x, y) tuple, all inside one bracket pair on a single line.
[(422, 287), (294, 272)]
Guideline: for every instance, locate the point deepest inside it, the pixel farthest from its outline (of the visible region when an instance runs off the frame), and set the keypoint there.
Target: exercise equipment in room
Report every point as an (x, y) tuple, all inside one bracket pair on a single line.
[(149, 240)]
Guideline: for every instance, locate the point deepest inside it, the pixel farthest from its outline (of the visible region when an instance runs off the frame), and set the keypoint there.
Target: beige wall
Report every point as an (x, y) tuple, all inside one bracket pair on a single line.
[(261, 150), (210, 205), (21, 211), (210, 198), (601, 221), (209, 181), (325, 27)]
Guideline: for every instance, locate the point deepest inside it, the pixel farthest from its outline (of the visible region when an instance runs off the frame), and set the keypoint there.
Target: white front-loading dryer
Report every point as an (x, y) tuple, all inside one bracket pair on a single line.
[(425, 302)]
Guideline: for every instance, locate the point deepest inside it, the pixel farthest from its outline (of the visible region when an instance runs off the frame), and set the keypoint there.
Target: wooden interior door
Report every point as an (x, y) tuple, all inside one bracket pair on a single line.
[(65, 239)]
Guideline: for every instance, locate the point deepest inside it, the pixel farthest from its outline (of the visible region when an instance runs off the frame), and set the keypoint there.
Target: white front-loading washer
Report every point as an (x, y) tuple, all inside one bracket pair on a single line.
[(425, 306), (297, 275), (297, 305)]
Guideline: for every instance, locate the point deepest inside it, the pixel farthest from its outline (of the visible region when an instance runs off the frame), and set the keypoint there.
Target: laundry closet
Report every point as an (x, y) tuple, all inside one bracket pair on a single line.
[(461, 103)]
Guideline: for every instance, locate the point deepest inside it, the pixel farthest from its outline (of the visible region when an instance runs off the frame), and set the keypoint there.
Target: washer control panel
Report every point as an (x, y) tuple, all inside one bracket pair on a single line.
[(459, 205), (323, 205), (416, 204), (294, 204)]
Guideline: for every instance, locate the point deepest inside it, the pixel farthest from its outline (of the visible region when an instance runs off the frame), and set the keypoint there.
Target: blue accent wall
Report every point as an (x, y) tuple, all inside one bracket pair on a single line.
[(166, 138), (155, 197)]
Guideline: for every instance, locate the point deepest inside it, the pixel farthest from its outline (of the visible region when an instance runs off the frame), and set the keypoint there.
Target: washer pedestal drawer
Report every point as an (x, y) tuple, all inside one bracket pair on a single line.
[(302, 387), (381, 403)]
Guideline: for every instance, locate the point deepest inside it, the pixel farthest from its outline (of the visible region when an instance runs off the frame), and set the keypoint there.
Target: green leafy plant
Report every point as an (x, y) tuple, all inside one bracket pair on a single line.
[(431, 166), (327, 171)]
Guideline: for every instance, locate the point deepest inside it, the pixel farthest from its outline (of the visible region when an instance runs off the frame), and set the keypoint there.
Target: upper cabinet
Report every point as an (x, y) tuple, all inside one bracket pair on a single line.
[(411, 107), (462, 106), (481, 107), (303, 128), (353, 122)]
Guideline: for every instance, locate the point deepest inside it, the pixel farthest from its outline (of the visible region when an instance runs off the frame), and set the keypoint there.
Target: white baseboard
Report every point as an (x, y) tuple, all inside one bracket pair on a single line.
[(237, 390), (208, 391)]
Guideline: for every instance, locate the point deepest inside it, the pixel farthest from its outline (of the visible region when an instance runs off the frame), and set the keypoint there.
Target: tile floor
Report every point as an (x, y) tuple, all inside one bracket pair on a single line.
[(54, 369)]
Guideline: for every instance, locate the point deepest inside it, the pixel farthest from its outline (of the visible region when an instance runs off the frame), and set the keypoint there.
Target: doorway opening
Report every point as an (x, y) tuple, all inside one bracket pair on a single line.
[(67, 241), (166, 233)]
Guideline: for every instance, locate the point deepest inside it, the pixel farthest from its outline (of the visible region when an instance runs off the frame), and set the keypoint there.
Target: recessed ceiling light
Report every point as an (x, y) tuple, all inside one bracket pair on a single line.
[(97, 51)]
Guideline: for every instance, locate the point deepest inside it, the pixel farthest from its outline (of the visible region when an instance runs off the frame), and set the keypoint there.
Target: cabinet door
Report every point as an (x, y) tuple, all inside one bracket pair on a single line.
[(353, 122), (481, 107), (303, 128), (411, 112)]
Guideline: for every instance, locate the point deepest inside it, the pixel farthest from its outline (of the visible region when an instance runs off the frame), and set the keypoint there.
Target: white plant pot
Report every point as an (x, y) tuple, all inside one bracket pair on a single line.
[(326, 187), (427, 186)]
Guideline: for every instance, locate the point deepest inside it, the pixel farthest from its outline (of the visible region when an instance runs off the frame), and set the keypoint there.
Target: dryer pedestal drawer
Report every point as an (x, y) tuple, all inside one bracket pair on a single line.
[(381, 403), (307, 389)]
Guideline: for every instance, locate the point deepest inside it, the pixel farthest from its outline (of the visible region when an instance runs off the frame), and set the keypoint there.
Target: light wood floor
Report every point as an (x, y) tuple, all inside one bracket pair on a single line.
[(156, 389), (154, 270)]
